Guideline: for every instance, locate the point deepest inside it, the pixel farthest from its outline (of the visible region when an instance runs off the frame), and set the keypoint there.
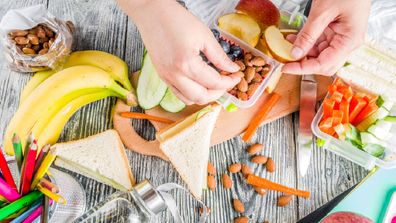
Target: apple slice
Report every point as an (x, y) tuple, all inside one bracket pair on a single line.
[(279, 47), (286, 32), (262, 46), (241, 26), (263, 11)]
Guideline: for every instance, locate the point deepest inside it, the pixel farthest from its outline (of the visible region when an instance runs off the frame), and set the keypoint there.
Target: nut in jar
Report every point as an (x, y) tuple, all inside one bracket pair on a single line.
[(34, 40)]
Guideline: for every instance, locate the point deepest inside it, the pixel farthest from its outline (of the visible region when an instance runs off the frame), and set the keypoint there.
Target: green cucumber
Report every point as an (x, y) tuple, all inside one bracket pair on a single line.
[(380, 129), (374, 150), (171, 103), (390, 118), (150, 88), (384, 102), (379, 114), (352, 135), (368, 138)]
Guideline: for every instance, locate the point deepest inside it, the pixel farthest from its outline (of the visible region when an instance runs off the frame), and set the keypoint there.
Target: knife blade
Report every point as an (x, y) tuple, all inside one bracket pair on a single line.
[(307, 113)]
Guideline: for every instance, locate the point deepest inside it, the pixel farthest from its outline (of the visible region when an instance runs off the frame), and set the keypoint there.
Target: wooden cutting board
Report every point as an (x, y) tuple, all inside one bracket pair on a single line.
[(228, 125)]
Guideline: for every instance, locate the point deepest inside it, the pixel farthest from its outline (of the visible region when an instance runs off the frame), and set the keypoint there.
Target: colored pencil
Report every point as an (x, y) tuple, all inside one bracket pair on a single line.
[(34, 215), (45, 212), (17, 205), (56, 197), (29, 141), (16, 142), (49, 185), (7, 192), (6, 171), (28, 169), (2, 199), (47, 161), (40, 157), (28, 212)]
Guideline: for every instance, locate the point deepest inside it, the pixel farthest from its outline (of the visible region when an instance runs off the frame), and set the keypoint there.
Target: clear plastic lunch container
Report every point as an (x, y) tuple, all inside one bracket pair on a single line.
[(349, 151), (290, 19)]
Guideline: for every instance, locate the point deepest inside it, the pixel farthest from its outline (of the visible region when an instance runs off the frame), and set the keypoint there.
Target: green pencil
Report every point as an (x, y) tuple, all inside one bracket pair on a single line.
[(16, 142), (19, 204)]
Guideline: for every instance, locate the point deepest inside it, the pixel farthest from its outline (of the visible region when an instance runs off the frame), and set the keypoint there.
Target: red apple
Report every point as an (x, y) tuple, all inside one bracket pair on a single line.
[(263, 11)]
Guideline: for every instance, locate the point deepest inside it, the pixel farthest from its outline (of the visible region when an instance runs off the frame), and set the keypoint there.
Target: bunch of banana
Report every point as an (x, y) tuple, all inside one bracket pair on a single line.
[(51, 98)]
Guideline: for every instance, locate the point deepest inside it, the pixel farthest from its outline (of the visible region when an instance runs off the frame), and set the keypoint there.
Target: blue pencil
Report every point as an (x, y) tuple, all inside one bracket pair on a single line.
[(27, 213)]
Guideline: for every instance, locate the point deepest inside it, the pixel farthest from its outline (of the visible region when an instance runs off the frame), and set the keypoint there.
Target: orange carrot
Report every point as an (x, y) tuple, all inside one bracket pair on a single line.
[(139, 115), (259, 117), (269, 185)]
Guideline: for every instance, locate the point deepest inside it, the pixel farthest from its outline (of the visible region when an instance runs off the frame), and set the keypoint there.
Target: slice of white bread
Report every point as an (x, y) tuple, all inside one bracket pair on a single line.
[(186, 144), (101, 157)]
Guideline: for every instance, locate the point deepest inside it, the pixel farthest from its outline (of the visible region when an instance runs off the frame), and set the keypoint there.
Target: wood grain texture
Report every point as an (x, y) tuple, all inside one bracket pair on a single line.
[(101, 25)]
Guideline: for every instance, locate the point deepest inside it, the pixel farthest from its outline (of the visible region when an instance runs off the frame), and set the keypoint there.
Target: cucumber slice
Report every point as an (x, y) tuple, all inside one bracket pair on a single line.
[(379, 114), (380, 129), (150, 89), (368, 138), (374, 149), (390, 118), (384, 102), (171, 103)]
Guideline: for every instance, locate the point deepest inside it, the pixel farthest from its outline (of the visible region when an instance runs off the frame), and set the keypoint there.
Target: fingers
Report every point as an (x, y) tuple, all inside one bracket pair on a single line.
[(208, 77), (217, 56), (192, 92), (180, 96), (327, 63), (312, 30)]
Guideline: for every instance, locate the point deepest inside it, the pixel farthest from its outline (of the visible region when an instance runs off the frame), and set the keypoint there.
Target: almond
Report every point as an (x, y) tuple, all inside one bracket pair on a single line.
[(211, 169), (258, 69), (238, 206), (246, 170), (284, 200), (21, 40), (252, 88), (247, 59), (257, 78), (258, 61), (28, 51), (241, 65), (270, 165), (242, 96), (242, 219), (227, 182), (249, 74), (235, 168), (211, 182), (19, 33), (265, 71), (255, 149), (259, 159), (239, 74), (243, 85), (260, 191)]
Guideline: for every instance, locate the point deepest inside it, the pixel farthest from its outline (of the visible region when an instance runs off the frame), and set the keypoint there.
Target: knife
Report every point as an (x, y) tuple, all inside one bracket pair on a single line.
[(307, 113)]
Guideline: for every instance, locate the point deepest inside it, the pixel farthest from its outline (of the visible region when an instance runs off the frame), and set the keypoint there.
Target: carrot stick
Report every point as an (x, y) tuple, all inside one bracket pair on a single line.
[(139, 115), (260, 116), (269, 185)]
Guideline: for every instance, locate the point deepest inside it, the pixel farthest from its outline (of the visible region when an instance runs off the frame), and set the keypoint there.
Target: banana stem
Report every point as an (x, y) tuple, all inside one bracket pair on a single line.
[(128, 96)]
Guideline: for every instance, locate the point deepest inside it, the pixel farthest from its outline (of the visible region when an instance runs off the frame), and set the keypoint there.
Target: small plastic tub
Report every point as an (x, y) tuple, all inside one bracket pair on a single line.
[(351, 152), (289, 19)]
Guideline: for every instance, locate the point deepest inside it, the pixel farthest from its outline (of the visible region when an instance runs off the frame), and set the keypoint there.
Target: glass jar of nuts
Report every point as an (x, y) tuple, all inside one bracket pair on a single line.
[(44, 45)]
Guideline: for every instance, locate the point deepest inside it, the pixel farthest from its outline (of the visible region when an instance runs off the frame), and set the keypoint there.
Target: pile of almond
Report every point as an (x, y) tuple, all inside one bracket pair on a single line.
[(34, 41), (253, 70), (244, 169)]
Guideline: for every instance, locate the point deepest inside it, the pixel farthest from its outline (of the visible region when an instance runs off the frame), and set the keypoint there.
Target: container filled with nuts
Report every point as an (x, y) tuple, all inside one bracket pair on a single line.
[(34, 40), (255, 71)]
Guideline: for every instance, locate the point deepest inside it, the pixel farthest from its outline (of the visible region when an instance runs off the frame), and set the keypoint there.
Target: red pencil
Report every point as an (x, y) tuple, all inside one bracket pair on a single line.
[(6, 171), (28, 169)]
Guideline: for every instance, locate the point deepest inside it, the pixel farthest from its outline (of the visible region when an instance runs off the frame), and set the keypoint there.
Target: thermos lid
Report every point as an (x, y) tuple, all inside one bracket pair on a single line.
[(150, 197)]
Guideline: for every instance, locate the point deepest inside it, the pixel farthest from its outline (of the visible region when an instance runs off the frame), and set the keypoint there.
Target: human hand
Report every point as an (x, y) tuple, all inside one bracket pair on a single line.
[(174, 39), (333, 30)]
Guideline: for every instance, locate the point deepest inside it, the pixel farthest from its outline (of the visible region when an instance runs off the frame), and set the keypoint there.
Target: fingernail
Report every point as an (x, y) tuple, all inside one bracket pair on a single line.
[(234, 67), (297, 52)]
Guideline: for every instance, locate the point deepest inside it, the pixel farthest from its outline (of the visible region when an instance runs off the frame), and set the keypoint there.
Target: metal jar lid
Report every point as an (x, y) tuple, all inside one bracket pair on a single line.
[(150, 197)]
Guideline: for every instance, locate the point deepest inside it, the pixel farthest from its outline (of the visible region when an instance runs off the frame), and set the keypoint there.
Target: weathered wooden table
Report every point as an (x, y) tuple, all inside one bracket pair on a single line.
[(101, 25)]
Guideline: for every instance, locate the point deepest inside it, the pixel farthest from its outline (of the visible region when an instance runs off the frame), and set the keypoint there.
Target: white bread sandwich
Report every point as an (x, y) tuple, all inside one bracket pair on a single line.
[(186, 144), (101, 157)]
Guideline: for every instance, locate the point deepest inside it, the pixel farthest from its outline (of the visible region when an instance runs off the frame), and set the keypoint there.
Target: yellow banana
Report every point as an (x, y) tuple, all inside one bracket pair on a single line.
[(53, 127), (36, 80), (64, 86), (105, 61)]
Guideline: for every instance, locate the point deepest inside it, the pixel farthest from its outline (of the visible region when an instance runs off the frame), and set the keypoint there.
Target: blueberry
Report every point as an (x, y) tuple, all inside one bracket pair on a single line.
[(231, 56), (216, 34), (225, 45), (236, 50)]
